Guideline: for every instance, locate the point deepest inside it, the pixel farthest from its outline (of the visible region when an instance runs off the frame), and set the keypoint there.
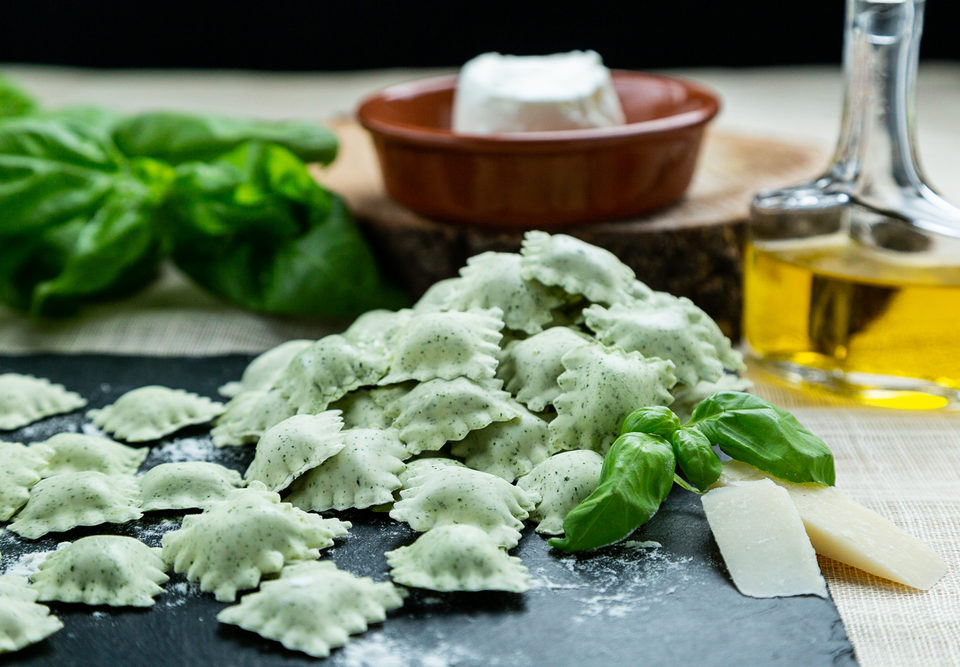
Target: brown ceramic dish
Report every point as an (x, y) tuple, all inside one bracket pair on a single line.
[(539, 179)]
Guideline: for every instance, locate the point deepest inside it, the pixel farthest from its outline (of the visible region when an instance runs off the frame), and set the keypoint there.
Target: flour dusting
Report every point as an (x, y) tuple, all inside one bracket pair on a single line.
[(186, 449), (88, 428), (175, 594), (29, 563), (151, 533), (377, 650), (627, 580)]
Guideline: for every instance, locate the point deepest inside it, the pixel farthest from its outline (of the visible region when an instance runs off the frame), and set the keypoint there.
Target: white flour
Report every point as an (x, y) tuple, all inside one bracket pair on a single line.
[(375, 649), (186, 449), (176, 594), (88, 428), (621, 583), (29, 563), (152, 533)]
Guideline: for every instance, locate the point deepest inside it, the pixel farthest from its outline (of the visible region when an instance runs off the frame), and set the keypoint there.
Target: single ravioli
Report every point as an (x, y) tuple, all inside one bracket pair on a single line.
[(562, 482), (76, 452), (449, 494), (24, 399), (576, 267), (359, 409), (313, 607), (72, 499), (507, 449), (263, 371), (385, 396), (24, 622), (294, 446), (530, 368), (375, 328), (457, 557), (731, 359), (493, 280), (233, 543), (328, 370), (601, 386), (186, 485), (13, 586), (151, 412), (438, 295), (665, 332), (102, 569), (424, 466), (248, 415), (362, 474), (440, 411), (21, 467), (446, 345)]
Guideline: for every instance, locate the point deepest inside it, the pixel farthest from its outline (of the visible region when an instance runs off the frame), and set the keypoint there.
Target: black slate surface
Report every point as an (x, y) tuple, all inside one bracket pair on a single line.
[(626, 604)]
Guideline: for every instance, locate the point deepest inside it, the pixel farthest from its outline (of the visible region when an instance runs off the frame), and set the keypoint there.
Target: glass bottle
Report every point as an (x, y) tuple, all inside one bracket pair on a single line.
[(852, 280)]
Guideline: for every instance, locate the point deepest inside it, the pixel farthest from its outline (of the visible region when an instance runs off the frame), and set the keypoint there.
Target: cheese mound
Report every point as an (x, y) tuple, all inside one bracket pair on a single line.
[(563, 91)]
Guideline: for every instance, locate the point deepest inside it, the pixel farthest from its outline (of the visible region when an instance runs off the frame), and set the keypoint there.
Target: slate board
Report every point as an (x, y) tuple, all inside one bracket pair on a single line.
[(626, 604)]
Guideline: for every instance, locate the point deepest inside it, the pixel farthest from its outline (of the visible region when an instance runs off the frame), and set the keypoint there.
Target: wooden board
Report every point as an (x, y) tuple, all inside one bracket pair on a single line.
[(692, 248)]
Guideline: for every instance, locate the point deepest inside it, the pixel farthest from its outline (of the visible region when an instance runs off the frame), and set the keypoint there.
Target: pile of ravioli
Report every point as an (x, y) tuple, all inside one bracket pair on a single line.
[(489, 403)]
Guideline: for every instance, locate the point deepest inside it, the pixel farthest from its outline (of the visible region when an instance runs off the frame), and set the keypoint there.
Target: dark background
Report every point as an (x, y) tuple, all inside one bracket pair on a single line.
[(359, 34)]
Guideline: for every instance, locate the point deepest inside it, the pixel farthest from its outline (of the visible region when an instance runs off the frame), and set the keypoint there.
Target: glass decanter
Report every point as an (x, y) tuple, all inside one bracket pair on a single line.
[(852, 280)]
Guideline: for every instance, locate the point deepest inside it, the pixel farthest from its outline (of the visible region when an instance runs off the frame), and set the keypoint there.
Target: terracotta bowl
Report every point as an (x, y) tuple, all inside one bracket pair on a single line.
[(539, 179)]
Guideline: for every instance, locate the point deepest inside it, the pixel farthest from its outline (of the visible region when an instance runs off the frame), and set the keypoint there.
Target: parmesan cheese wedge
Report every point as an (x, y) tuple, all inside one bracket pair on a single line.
[(843, 530), (762, 541)]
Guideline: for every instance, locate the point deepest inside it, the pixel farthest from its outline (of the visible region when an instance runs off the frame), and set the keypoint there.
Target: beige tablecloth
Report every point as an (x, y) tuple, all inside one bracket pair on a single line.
[(904, 465)]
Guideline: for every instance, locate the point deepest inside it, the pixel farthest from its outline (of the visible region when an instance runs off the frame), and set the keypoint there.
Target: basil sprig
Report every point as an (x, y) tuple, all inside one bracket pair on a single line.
[(640, 468), (636, 477), (749, 429), (91, 203)]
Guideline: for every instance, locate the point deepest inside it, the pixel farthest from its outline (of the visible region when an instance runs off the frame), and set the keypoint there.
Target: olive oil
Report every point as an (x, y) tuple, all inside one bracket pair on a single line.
[(876, 327)]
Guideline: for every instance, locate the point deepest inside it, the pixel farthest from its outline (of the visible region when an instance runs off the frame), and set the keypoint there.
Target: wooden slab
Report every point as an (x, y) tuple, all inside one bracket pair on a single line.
[(692, 248)]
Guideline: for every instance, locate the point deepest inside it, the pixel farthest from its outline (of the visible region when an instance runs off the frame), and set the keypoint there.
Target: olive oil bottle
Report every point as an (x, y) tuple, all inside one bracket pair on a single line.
[(852, 280), (884, 332)]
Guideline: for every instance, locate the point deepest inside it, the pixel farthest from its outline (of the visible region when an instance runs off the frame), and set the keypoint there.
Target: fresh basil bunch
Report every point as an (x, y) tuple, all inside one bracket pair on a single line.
[(91, 204), (640, 468)]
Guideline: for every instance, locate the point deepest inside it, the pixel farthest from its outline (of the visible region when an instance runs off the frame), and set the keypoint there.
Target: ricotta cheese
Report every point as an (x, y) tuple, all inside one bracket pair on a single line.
[(564, 91)]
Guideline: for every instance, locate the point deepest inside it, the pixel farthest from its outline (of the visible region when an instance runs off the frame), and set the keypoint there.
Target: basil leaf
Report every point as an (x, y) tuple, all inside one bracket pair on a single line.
[(636, 478), (177, 138), (695, 457), (69, 207), (749, 429), (115, 252), (257, 230), (29, 259), (658, 420), (13, 100), (52, 172), (93, 118)]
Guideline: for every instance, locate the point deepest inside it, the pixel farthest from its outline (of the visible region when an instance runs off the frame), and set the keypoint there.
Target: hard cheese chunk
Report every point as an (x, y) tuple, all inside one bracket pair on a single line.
[(848, 532), (762, 541), (563, 91)]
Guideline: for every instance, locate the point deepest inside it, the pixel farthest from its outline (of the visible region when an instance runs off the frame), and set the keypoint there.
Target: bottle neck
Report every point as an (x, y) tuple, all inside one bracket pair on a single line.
[(875, 155)]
